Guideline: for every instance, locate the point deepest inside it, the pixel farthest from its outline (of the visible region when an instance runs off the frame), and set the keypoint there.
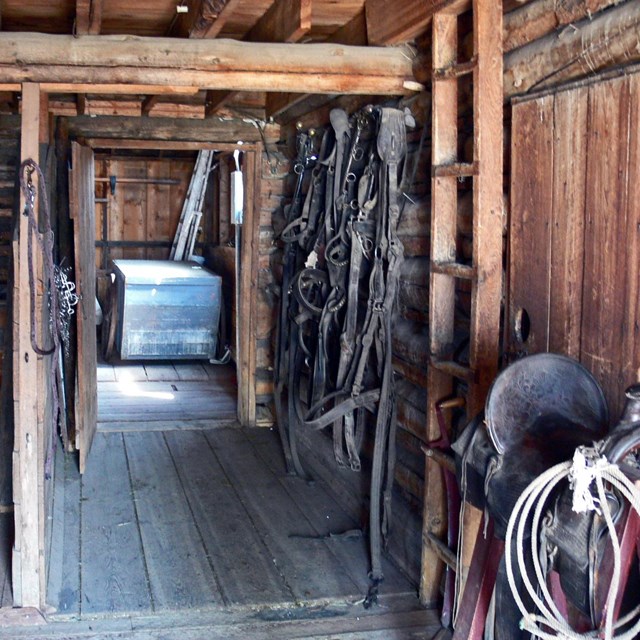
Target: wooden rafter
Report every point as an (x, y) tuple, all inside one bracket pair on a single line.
[(353, 33), (285, 21), (88, 17), (148, 103), (81, 104), (211, 17), (410, 18), (221, 64)]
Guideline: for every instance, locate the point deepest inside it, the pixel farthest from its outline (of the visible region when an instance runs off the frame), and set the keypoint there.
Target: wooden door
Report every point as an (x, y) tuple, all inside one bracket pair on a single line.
[(575, 230), (82, 211)]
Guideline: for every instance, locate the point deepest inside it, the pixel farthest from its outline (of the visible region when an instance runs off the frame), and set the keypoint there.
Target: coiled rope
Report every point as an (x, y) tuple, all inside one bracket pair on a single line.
[(587, 467)]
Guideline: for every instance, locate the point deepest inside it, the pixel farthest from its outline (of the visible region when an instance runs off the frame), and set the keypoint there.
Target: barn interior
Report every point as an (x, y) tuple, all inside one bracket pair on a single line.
[(154, 481)]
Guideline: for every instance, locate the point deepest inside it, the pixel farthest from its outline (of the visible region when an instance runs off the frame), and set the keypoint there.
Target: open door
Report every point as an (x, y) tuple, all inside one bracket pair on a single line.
[(82, 212)]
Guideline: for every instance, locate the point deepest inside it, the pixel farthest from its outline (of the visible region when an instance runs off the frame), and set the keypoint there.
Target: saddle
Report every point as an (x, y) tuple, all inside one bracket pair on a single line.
[(538, 412)]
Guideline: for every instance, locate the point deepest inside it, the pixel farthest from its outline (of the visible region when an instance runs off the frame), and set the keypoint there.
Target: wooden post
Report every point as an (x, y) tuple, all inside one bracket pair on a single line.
[(444, 203), (28, 459), (248, 283)]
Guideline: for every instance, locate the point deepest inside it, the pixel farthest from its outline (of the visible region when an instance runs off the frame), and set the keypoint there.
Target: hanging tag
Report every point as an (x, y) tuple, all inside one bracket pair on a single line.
[(237, 197)]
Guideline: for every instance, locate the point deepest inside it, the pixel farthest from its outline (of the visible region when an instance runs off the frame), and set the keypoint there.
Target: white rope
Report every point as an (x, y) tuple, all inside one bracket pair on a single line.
[(587, 468)]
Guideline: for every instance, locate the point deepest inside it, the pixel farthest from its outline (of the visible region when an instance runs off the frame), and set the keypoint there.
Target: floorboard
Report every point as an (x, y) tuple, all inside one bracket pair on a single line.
[(181, 392), (105, 372), (191, 371), (202, 520), (328, 518), (113, 572), (130, 373), (314, 622), (167, 425), (179, 572), (160, 372), (234, 545), (63, 588), (310, 570)]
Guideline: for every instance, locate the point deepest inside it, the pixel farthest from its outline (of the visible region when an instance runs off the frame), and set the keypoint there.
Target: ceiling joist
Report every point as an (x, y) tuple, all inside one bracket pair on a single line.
[(410, 18), (207, 64), (353, 33), (211, 17), (88, 17), (285, 21)]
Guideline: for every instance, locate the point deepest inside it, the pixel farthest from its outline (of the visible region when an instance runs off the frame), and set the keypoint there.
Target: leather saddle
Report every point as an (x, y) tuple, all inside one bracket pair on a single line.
[(538, 411)]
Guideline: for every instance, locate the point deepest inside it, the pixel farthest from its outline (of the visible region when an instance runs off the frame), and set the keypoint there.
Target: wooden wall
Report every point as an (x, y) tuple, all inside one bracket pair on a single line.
[(574, 235), (144, 215)]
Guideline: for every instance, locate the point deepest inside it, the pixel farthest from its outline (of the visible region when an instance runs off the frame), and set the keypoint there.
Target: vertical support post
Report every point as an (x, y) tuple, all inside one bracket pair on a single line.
[(486, 294), (444, 202), (248, 283), (28, 455)]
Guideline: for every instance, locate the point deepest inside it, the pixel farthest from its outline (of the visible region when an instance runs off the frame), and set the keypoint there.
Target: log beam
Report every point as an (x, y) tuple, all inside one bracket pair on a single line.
[(134, 128), (208, 64), (575, 53), (536, 19)]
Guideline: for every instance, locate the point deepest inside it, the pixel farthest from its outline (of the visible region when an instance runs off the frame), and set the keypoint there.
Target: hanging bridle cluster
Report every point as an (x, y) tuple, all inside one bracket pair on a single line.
[(341, 265)]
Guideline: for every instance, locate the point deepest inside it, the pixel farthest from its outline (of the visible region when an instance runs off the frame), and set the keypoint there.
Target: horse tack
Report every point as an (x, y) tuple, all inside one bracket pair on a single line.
[(535, 423), (333, 331)]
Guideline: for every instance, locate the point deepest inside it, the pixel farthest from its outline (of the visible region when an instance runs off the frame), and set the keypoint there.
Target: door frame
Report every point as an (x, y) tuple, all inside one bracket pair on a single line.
[(29, 553)]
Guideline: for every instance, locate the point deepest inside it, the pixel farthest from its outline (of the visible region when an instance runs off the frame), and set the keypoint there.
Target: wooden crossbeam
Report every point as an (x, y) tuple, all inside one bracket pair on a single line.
[(285, 21), (219, 64), (88, 17)]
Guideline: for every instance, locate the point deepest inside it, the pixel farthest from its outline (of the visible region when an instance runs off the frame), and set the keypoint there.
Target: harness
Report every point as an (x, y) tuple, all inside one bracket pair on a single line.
[(341, 264), (61, 299)]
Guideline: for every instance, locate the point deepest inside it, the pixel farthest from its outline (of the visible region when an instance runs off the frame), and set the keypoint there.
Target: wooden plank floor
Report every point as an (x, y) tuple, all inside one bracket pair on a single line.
[(197, 519), (165, 395)]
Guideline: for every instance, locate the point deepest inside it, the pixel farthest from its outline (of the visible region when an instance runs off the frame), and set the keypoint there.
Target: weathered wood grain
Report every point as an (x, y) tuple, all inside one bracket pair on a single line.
[(179, 574), (113, 572), (241, 560), (326, 516), (309, 565), (532, 182), (606, 205), (63, 586), (536, 19), (574, 53), (210, 64), (568, 223)]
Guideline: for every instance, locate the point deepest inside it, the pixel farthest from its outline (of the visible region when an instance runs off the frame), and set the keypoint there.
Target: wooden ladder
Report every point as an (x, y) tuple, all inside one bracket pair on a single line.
[(484, 273), (187, 231)]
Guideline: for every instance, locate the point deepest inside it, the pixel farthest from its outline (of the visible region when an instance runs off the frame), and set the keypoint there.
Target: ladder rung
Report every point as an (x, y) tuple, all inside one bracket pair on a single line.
[(442, 551), (454, 269), (455, 170), (454, 369), (455, 70), (439, 457)]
